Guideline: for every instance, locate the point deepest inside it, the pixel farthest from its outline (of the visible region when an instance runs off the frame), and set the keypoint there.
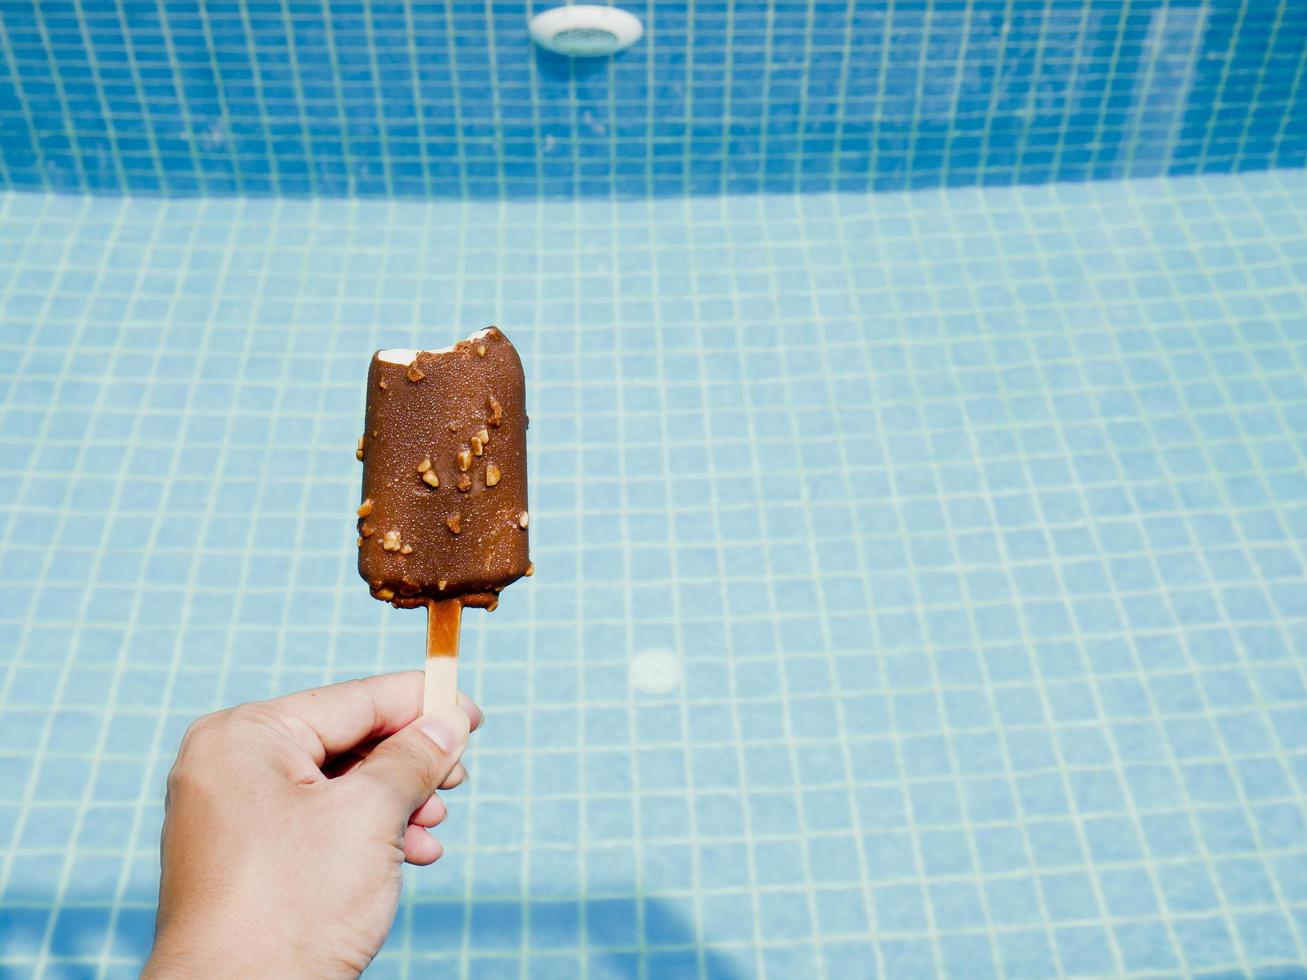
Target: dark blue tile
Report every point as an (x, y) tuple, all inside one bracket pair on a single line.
[(1031, 81)]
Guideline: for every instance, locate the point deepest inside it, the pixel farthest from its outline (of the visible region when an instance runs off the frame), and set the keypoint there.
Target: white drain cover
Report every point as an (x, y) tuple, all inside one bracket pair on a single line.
[(585, 30), (655, 671)]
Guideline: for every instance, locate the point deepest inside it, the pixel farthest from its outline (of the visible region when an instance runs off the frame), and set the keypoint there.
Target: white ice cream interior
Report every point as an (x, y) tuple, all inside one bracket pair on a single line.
[(407, 355)]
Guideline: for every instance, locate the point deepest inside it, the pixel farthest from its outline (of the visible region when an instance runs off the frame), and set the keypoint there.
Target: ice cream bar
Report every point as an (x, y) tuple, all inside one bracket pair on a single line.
[(443, 522), (444, 510)]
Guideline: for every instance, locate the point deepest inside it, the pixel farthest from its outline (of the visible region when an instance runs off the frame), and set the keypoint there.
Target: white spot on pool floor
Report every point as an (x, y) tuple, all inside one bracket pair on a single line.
[(655, 671)]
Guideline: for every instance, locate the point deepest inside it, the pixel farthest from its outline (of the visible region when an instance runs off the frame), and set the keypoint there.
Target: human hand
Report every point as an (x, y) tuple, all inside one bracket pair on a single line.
[(288, 822)]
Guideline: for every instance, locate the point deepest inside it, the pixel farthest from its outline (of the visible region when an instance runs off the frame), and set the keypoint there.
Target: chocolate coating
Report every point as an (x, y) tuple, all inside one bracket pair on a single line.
[(466, 537)]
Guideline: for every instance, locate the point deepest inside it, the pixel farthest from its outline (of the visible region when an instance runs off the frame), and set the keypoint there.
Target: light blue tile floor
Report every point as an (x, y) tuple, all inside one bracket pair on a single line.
[(978, 519)]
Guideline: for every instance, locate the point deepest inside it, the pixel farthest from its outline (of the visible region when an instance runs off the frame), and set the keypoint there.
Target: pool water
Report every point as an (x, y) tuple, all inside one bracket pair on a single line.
[(921, 574)]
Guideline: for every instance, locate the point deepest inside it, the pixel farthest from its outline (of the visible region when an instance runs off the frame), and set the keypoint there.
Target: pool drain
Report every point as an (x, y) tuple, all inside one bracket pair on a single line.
[(585, 30), (655, 671)]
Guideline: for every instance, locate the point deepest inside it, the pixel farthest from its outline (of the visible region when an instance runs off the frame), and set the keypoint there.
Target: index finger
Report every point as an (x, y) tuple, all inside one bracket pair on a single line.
[(327, 721)]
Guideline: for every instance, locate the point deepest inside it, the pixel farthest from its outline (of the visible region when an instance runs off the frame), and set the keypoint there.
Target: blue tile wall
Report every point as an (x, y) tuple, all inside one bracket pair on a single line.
[(450, 99)]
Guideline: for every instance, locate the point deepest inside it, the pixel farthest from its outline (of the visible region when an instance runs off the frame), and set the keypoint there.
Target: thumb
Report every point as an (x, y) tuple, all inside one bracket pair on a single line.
[(413, 762)]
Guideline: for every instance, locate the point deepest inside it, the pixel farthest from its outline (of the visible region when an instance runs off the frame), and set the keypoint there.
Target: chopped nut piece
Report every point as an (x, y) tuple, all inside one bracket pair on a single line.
[(530, 569), (414, 373), (430, 478), (492, 474), (390, 541), (385, 593), (481, 350), (365, 529), (441, 584), (383, 386), (464, 483), (424, 465), (494, 604), (478, 448), (365, 508), (464, 460), (496, 412), (358, 453), (453, 522), (406, 550), (523, 519), (492, 333), (360, 542), (484, 436), (407, 587)]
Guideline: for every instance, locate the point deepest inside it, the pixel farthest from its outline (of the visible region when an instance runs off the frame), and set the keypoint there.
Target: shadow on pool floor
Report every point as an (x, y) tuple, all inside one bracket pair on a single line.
[(555, 935), (480, 938)]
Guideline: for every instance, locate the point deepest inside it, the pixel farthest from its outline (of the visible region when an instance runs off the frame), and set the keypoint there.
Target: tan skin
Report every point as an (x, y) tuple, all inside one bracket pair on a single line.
[(288, 823)]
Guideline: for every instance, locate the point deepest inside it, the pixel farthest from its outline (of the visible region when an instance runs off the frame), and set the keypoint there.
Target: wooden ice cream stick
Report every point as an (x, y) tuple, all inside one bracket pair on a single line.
[(441, 689)]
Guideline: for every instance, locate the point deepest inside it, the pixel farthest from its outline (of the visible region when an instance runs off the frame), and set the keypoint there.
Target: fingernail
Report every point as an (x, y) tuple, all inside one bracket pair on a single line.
[(444, 729)]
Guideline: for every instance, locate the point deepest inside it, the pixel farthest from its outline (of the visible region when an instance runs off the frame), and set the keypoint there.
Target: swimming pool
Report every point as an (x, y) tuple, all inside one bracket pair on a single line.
[(929, 380)]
